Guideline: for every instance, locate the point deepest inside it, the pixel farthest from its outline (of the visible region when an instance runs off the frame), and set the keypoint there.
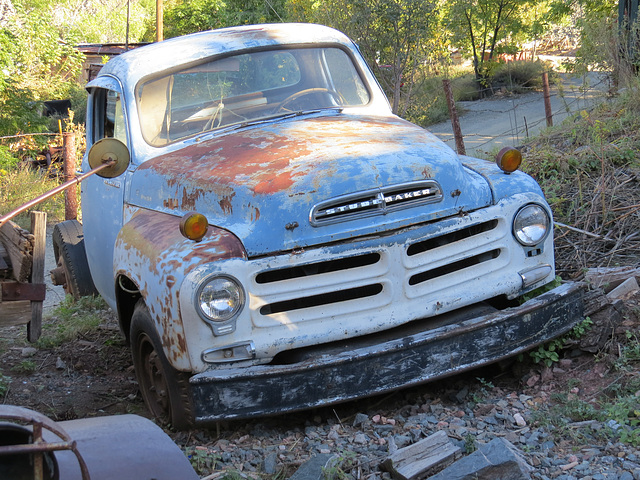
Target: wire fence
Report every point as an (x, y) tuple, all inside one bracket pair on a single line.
[(566, 103)]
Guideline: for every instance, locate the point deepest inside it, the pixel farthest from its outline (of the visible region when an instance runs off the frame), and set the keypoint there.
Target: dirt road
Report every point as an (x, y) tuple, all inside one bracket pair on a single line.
[(509, 119)]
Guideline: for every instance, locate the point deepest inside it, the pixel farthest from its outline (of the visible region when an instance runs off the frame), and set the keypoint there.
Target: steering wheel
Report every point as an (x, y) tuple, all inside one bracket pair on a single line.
[(309, 91)]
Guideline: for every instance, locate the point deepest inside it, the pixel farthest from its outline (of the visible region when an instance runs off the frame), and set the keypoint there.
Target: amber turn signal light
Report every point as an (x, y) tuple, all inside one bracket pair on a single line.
[(194, 226), (509, 159)]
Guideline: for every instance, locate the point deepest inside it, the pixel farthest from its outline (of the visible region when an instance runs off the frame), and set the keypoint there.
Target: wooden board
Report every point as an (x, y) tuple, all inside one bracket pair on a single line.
[(427, 455), (39, 229), (19, 246), (15, 313), (5, 268)]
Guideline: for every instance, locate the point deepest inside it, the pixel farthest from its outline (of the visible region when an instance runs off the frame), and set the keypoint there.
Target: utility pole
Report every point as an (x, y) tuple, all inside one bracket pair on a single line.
[(159, 21)]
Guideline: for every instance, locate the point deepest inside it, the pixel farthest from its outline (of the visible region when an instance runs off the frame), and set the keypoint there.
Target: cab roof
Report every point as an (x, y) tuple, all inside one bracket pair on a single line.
[(157, 57)]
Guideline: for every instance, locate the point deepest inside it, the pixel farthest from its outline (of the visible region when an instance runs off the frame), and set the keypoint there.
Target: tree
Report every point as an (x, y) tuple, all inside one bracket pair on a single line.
[(35, 64), (395, 36), (183, 17), (484, 25)]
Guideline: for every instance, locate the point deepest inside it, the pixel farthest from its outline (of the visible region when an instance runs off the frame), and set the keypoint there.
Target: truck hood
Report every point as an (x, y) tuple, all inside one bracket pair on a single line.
[(262, 182)]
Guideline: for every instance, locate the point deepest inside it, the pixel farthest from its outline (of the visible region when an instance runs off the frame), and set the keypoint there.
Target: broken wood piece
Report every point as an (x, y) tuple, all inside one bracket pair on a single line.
[(19, 246), (39, 230), (5, 269), (414, 461), (608, 278), (15, 313), (625, 290)]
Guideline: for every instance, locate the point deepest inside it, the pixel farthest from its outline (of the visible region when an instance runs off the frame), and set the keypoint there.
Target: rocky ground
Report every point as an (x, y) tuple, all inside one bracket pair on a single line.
[(552, 415)]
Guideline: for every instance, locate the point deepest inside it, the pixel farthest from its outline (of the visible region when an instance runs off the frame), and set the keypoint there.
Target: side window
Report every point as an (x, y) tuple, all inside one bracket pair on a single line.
[(109, 116)]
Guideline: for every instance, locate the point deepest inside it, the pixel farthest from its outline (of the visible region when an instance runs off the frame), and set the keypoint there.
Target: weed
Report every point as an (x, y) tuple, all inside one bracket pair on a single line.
[(26, 367), (469, 443), (549, 353), (4, 384), (481, 394), (72, 318), (20, 184), (202, 459), (340, 468)]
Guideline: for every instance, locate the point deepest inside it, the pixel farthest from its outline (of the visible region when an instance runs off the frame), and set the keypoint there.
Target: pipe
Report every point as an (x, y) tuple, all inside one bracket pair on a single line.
[(45, 196)]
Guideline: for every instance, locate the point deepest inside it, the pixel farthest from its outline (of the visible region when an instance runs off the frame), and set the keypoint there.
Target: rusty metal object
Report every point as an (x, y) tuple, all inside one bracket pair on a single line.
[(22, 291), (82, 449), (60, 188), (70, 195), (38, 423)]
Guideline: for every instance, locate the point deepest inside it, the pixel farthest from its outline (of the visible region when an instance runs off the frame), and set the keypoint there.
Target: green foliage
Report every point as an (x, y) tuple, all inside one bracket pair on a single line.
[(194, 16), (4, 384), (518, 77), (469, 443), (396, 37), (486, 28), (26, 367), (72, 318), (7, 161), (35, 65), (202, 459), (339, 468), (549, 353), (198, 15)]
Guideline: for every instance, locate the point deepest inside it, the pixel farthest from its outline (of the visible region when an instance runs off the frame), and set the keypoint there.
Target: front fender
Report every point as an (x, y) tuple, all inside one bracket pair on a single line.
[(151, 252)]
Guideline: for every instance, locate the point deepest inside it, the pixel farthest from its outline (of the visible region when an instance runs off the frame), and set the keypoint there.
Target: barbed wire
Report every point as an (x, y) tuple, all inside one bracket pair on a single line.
[(19, 135)]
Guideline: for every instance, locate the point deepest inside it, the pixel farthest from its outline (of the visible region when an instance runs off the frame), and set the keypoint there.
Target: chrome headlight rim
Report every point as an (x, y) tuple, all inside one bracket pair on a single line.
[(235, 311), (518, 233)]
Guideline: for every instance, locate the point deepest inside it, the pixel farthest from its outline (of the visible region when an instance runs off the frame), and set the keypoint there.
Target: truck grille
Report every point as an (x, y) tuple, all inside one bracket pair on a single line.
[(372, 274), (375, 202)]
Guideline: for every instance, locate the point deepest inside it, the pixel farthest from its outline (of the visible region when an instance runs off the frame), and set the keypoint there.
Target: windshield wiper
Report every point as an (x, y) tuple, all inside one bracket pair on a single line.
[(261, 120)]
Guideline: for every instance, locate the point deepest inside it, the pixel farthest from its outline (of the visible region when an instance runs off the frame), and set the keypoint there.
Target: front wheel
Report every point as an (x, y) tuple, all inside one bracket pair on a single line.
[(165, 390)]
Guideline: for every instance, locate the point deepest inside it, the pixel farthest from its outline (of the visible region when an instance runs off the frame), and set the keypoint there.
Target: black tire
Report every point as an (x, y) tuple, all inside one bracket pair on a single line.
[(71, 257), (165, 390)]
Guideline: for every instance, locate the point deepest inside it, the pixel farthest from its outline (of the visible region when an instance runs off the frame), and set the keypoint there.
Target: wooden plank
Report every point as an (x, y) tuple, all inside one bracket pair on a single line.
[(414, 461), (19, 246), (5, 269), (15, 313), (39, 230), (15, 291)]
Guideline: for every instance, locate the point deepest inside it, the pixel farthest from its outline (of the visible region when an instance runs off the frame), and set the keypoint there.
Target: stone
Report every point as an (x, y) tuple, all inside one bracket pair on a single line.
[(360, 419), (497, 459), (28, 352), (313, 469), (269, 464)]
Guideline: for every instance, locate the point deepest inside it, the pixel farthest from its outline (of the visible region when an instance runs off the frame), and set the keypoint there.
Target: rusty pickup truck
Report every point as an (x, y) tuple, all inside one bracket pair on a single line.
[(273, 238)]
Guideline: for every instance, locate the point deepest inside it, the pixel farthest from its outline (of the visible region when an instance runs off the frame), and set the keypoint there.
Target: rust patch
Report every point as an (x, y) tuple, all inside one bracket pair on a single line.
[(189, 198), (171, 203), (274, 185), (255, 214), (268, 160), (226, 205)]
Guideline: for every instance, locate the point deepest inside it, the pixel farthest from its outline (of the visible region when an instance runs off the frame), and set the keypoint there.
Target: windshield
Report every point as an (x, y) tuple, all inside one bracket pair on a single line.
[(245, 88)]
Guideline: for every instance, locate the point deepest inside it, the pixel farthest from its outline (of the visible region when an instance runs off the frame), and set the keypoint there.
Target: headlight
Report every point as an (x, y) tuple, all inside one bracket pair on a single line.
[(531, 225), (220, 299)]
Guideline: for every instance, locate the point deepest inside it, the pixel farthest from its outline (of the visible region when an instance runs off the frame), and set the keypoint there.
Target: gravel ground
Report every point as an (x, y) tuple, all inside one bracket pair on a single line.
[(92, 376)]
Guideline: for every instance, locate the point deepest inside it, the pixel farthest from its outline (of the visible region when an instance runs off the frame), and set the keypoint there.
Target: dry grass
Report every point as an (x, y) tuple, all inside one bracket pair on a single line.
[(589, 169)]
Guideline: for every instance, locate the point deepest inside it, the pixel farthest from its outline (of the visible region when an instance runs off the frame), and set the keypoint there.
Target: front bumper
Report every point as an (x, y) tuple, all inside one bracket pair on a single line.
[(461, 340)]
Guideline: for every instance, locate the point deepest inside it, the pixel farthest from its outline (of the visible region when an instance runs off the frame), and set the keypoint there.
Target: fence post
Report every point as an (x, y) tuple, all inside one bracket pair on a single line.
[(70, 194), (455, 122), (547, 99)]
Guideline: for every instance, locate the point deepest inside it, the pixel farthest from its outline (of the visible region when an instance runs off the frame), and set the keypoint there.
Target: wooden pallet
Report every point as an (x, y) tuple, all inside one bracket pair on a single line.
[(22, 287)]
